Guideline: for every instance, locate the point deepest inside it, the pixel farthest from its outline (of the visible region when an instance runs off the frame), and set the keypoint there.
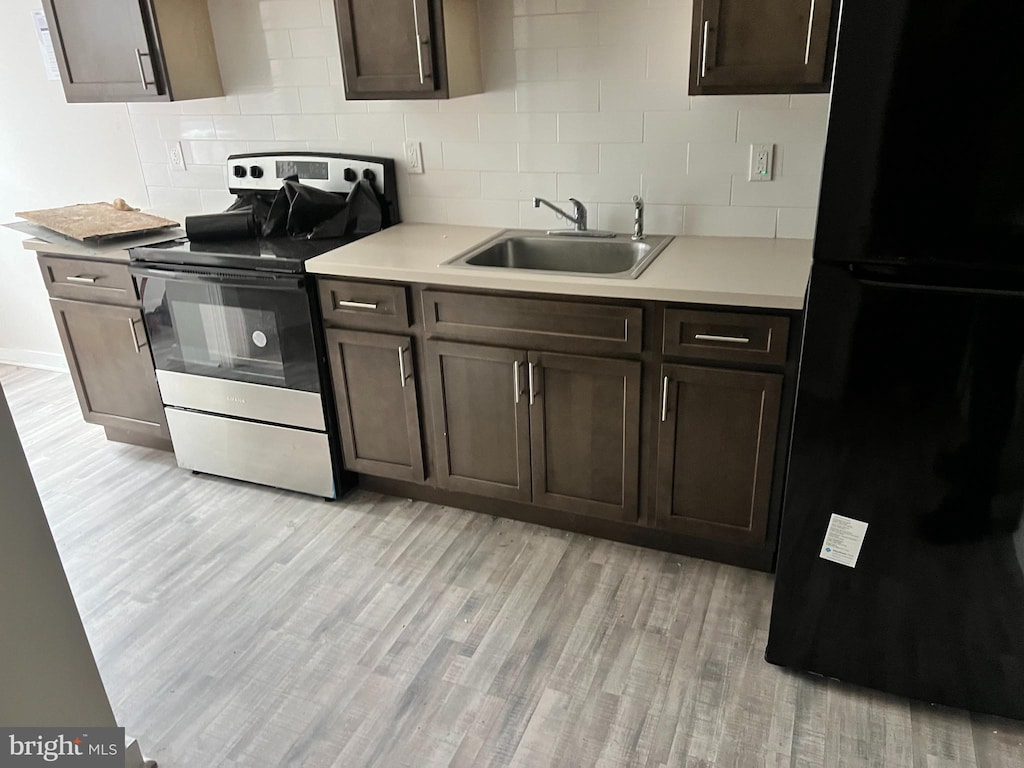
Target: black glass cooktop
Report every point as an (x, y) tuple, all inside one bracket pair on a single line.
[(275, 254)]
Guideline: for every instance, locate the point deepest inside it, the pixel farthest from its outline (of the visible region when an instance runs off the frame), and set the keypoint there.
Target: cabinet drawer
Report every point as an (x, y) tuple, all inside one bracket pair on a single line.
[(369, 306), (725, 336), (86, 280), (534, 323)]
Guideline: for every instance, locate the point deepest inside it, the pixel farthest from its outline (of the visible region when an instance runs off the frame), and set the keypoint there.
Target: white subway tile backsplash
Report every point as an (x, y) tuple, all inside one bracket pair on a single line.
[(321, 41), (305, 127), (721, 221), (549, 31), (690, 126), (638, 96), (583, 127), (583, 98), (244, 127), (559, 96), (445, 183), (570, 158), (193, 127), (446, 127), (290, 14), (797, 222), (680, 189), (326, 99), (536, 64), (531, 127), (602, 61), (781, 126), (484, 213), (280, 101), (425, 210), (710, 158), (599, 187), (381, 127), (466, 156), (518, 186), (213, 152), (285, 72), (783, 191)]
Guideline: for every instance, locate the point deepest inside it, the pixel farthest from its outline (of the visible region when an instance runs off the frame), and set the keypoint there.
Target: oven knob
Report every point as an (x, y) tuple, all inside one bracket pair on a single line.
[(369, 175), (256, 171), (350, 175), (239, 171)]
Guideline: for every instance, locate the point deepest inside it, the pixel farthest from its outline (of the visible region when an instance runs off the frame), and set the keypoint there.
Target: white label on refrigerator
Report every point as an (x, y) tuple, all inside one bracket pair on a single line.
[(843, 540), (46, 44)]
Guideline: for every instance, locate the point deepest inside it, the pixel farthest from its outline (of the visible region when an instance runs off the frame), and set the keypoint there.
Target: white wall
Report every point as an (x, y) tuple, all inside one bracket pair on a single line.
[(51, 153), (584, 98)]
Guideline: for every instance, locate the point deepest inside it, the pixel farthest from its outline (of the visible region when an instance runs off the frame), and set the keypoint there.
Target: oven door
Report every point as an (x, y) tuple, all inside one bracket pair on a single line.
[(229, 324)]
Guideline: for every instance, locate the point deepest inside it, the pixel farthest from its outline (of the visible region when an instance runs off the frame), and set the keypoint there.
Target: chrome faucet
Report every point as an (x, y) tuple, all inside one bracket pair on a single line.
[(638, 218), (579, 212)]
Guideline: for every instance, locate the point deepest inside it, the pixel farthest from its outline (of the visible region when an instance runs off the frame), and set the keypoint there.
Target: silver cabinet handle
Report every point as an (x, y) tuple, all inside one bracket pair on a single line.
[(664, 398), (401, 365), (529, 370), (810, 27), (515, 379), (135, 337), (728, 339), (419, 40), (81, 279), (142, 70), (341, 304), (704, 50)]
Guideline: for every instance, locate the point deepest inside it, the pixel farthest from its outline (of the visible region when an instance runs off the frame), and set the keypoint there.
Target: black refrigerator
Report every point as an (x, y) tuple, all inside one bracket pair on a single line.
[(901, 558)]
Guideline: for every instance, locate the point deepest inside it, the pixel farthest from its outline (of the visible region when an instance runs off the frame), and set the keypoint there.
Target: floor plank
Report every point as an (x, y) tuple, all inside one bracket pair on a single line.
[(236, 625)]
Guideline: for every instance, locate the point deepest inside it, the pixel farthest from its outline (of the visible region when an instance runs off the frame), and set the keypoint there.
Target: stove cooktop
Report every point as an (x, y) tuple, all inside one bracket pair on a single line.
[(274, 254)]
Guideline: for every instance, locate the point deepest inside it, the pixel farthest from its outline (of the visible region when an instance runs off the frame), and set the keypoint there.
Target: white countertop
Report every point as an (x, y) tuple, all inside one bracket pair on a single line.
[(732, 271)]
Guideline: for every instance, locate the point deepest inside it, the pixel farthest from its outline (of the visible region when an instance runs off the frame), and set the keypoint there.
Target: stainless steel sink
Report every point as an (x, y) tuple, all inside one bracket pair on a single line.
[(618, 257)]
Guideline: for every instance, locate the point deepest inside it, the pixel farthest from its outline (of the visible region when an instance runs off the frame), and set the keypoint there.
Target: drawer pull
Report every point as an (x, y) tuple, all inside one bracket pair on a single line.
[(343, 304), (727, 339), (401, 365), (135, 338), (664, 398), (515, 379), (81, 279), (529, 370)]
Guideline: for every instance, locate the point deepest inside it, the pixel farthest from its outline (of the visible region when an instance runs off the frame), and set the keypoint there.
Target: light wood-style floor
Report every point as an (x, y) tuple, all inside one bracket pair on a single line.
[(241, 626)]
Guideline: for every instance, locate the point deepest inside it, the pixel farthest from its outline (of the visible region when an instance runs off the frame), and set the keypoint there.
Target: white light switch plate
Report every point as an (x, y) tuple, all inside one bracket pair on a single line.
[(413, 157), (762, 162)]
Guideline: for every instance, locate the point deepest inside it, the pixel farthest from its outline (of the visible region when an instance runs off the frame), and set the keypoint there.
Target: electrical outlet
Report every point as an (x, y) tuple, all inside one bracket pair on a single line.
[(176, 156), (762, 161), (413, 157)]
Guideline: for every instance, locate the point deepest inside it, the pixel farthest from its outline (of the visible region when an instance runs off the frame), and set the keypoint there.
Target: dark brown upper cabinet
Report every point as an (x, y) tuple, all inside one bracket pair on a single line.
[(409, 49), (761, 46), (134, 50)]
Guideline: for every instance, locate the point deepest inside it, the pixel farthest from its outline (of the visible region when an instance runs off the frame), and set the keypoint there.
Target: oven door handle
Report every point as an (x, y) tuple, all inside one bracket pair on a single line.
[(265, 280)]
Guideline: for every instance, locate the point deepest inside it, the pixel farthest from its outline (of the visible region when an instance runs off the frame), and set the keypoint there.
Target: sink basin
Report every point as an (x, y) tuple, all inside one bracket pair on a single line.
[(618, 257)]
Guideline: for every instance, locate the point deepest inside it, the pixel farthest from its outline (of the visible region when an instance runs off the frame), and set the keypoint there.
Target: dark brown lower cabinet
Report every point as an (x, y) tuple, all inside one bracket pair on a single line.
[(562, 431), (481, 419), (378, 408), (585, 434), (111, 366), (716, 447)]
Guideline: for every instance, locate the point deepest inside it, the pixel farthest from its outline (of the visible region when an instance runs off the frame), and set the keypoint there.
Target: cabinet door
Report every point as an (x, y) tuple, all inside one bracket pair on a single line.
[(481, 419), (378, 409), (103, 50), (111, 366), (760, 46), (585, 434), (716, 446), (386, 48)]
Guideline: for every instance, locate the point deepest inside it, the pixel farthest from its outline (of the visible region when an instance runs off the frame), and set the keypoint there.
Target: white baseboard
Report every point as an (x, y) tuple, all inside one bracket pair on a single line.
[(28, 358)]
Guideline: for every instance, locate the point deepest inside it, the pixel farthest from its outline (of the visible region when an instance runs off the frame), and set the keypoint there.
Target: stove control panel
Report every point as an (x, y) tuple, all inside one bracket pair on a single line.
[(331, 173)]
